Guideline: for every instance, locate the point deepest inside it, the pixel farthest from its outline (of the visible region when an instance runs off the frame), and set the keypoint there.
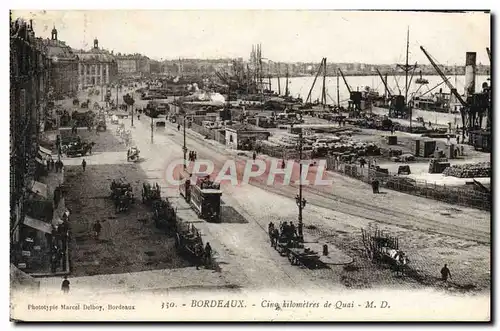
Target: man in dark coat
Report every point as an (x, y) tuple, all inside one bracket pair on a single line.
[(445, 273), (65, 285), (208, 255), (84, 165)]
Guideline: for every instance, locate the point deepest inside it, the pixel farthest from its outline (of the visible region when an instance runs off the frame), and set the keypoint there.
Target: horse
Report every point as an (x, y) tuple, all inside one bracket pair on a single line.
[(396, 258)]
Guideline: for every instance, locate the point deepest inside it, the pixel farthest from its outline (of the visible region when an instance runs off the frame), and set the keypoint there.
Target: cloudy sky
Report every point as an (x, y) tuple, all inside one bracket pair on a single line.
[(288, 36)]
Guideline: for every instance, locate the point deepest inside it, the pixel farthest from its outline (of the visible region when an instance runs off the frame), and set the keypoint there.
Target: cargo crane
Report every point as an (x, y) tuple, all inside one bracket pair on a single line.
[(354, 96), (321, 66), (472, 111), (396, 103)]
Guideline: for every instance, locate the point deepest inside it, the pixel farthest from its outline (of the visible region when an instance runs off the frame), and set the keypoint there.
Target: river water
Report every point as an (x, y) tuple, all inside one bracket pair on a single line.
[(300, 86)]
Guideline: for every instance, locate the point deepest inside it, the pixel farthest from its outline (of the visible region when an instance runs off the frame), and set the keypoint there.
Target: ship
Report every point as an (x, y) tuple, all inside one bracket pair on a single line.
[(421, 81)]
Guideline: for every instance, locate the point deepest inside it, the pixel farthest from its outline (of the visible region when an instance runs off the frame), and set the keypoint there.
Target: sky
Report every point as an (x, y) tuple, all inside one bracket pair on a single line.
[(286, 36)]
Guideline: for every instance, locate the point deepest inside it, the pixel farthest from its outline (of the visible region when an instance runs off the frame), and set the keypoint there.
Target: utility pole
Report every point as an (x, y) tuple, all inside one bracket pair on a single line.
[(152, 125), (301, 202), (132, 117), (184, 147)]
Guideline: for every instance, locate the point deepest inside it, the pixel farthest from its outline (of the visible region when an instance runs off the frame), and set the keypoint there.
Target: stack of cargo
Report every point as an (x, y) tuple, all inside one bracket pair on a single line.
[(471, 170), (424, 148), (437, 166)]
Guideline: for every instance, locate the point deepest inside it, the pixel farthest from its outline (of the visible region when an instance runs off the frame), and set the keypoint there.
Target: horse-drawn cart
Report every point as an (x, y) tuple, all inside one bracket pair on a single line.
[(383, 248), (122, 195), (188, 241), (287, 244), (78, 149), (133, 154), (150, 193), (164, 215)]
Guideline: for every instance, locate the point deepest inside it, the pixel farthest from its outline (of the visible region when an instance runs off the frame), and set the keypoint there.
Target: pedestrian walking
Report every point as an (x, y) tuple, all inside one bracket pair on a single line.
[(178, 127), (138, 116), (97, 229), (445, 273), (462, 150), (254, 156), (65, 285), (208, 255), (84, 165), (198, 249)]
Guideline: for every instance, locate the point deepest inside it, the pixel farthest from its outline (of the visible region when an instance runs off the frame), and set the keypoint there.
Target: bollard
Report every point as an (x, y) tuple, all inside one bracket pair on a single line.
[(325, 249)]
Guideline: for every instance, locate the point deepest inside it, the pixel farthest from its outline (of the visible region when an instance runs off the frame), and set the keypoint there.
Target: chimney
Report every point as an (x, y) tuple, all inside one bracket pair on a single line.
[(470, 73)]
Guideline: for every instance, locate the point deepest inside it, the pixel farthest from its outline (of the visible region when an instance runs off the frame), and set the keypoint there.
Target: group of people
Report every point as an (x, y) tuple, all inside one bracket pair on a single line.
[(286, 231), (53, 165), (204, 255), (192, 156), (59, 243)]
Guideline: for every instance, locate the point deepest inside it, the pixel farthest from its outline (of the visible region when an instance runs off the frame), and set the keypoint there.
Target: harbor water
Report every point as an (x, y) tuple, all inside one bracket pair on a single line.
[(300, 86)]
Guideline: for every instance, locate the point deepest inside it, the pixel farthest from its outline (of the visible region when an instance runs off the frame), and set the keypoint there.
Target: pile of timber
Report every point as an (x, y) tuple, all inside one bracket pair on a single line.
[(470, 170)]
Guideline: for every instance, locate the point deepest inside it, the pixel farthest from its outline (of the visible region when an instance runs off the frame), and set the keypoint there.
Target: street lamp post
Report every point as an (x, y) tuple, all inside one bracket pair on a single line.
[(301, 202), (152, 125), (184, 148)]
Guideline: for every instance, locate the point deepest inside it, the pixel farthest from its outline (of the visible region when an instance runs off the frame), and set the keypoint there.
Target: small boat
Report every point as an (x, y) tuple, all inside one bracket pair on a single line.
[(421, 80)]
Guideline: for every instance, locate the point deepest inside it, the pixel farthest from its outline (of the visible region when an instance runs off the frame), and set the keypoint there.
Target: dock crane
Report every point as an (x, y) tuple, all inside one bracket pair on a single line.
[(321, 66), (354, 96), (397, 105), (472, 111), (489, 53), (453, 90), (389, 94)]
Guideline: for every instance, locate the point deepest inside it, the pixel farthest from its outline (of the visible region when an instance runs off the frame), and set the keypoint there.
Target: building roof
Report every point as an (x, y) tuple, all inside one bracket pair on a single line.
[(245, 128), (95, 55), (57, 50)]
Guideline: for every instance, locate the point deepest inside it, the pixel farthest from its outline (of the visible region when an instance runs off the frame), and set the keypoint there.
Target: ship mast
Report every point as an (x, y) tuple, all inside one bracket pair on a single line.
[(279, 73), (323, 94), (338, 89), (286, 89), (406, 68)]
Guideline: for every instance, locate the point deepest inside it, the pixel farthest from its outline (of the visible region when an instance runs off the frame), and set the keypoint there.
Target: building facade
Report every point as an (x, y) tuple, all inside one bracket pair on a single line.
[(29, 86), (64, 66), (96, 67), (133, 64)]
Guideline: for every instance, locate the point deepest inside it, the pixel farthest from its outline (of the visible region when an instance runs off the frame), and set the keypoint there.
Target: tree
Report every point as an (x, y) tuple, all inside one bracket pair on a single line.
[(128, 99)]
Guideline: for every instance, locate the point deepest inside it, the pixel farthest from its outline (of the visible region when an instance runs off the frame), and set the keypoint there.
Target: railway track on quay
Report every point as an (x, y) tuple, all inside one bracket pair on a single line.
[(336, 202)]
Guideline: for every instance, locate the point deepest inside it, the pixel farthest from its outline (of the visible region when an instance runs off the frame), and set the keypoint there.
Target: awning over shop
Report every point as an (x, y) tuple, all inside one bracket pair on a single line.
[(37, 224), (39, 188), (45, 150), (39, 160), (19, 278)]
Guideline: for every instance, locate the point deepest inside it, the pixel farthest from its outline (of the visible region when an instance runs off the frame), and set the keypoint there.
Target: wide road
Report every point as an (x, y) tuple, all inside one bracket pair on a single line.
[(355, 198)]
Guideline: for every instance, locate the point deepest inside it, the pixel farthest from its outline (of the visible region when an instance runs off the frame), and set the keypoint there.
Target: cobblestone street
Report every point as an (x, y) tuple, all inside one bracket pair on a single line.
[(129, 241)]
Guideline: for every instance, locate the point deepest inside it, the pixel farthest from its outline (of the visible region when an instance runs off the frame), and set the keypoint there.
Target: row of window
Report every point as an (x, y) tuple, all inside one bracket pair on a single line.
[(93, 70)]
